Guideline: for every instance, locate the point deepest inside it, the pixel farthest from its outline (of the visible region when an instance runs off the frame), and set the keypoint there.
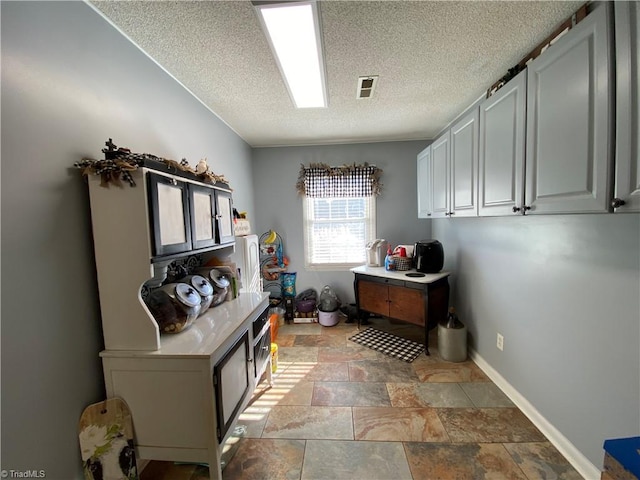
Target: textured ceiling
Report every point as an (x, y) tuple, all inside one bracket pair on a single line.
[(433, 58)]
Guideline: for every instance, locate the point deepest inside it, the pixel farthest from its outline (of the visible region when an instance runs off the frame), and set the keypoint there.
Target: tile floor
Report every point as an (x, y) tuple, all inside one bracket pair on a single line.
[(338, 410)]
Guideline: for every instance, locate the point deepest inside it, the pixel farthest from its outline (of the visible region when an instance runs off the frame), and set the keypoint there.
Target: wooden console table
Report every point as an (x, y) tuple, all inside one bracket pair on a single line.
[(401, 295)]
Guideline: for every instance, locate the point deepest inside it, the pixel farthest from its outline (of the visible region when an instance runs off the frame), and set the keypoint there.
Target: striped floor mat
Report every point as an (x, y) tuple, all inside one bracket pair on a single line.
[(388, 344)]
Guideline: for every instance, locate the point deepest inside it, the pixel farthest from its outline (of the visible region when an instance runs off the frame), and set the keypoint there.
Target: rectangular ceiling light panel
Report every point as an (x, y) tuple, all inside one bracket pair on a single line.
[(293, 31)]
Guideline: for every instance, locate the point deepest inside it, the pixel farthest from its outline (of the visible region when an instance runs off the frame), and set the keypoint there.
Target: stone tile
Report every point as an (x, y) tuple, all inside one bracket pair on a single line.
[(318, 341), (442, 395), (398, 424), (266, 459), (285, 340), (328, 372), (436, 461), (294, 392), (450, 372), (486, 395), (498, 425), (433, 357), (309, 423), (300, 329), (289, 355), (254, 418), (350, 394), (392, 370), (325, 460), (159, 470), (541, 460), (347, 354), (342, 329)]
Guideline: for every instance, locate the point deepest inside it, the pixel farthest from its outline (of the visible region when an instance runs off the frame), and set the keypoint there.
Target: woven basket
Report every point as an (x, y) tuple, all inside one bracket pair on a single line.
[(402, 263)]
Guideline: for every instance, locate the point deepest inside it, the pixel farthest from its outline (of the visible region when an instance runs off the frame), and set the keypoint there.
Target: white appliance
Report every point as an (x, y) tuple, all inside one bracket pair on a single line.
[(247, 259), (376, 252)]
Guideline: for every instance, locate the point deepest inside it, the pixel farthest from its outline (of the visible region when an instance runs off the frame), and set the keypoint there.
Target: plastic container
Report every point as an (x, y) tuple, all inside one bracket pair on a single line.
[(174, 306), (203, 287), (279, 311), (452, 339), (328, 319), (273, 320), (389, 261), (274, 357)]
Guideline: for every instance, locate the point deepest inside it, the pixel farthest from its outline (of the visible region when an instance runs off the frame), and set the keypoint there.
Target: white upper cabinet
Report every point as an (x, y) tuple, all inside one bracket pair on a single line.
[(451, 186), (424, 183), (502, 144), (440, 167), (627, 190), (464, 166), (569, 144)]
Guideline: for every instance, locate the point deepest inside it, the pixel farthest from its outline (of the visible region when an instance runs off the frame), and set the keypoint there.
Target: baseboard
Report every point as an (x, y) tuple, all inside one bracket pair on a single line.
[(587, 469), (142, 463)]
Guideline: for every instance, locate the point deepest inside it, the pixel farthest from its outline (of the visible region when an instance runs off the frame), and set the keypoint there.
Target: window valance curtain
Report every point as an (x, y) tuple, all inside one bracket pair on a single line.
[(319, 180)]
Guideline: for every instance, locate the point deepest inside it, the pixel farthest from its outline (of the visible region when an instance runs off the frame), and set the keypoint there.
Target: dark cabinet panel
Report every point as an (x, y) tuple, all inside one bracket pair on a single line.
[(169, 215), (224, 217), (202, 201)]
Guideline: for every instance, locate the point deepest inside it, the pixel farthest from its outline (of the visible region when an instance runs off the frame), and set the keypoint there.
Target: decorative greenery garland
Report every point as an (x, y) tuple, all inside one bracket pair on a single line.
[(120, 162)]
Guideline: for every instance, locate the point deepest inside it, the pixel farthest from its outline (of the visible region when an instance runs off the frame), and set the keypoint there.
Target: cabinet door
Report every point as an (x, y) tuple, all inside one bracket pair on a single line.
[(169, 215), (231, 383), (440, 176), (501, 152), (464, 166), (424, 183), (373, 297), (203, 226), (568, 121), (628, 106), (407, 304), (224, 217)]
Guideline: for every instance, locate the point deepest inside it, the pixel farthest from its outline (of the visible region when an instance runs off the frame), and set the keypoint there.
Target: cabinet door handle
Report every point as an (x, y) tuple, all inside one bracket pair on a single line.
[(618, 202), (452, 213), (515, 209), (526, 208)]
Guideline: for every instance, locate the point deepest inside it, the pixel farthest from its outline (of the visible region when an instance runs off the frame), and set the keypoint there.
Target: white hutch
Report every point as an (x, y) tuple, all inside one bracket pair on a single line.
[(186, 390)]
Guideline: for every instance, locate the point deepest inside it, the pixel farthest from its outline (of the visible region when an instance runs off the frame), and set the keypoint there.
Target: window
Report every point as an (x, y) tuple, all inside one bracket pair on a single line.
[(336, 231), (339, 210)]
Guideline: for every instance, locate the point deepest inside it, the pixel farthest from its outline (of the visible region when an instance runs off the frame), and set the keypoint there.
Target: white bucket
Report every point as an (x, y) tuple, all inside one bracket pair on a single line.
[(328, 319)]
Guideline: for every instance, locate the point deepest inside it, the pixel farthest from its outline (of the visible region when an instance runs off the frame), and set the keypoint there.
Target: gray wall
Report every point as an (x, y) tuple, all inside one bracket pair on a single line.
[(564, 292), (69, 82), (279, 207)]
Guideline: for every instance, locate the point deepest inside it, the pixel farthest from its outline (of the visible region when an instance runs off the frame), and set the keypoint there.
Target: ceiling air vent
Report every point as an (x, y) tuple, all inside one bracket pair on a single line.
[(366, 86)]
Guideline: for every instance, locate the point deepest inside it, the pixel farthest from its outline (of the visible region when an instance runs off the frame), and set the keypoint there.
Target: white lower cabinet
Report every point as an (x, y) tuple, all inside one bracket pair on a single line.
[(186, 396), (569, 141), (627, 186), (501, 155)]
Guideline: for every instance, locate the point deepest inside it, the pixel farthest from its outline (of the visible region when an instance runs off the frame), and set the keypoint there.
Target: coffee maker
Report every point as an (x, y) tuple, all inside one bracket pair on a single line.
[(376, 251)]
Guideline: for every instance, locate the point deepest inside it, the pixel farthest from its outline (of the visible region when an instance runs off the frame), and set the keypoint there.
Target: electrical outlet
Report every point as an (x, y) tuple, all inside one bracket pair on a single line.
[(500, 342)]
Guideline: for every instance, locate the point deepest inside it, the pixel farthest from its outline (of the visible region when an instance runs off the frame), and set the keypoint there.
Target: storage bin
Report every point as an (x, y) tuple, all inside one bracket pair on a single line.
[(452, 343)]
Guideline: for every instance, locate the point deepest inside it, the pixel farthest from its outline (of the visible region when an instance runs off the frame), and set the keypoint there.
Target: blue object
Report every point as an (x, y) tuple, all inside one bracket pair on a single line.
[(626, 451)]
